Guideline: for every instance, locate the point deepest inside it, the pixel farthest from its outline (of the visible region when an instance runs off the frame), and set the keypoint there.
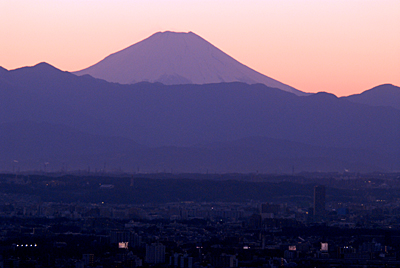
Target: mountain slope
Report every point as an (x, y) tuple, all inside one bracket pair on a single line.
[(383, 95), (177, 58)]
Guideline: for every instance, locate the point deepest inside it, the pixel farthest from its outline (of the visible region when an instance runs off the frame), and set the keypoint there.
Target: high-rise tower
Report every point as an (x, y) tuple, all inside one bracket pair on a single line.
[(319, 200), (155, 253)]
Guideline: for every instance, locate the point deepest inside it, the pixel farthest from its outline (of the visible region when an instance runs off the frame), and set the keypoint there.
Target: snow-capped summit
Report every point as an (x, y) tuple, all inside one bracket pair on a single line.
[(177, 58)]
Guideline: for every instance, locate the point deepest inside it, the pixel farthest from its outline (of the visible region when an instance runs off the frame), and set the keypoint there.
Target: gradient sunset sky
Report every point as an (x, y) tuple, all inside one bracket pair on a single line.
[(338, 46)]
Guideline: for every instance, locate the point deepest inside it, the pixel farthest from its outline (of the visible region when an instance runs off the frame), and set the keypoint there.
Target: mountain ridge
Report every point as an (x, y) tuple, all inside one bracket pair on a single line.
[(319, 131), (382, 95)]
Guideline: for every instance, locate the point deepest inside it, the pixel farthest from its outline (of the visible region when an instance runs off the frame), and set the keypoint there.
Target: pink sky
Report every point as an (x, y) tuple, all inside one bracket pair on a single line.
[(338, 46)]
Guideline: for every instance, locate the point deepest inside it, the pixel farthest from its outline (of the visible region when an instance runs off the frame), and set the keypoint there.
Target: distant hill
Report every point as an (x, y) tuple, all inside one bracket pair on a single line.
[(177, 58), (29, 145), (222, 127), (383, 95)]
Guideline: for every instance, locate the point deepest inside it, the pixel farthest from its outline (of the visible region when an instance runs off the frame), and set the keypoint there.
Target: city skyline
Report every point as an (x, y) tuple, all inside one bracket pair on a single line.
[(334, 46)]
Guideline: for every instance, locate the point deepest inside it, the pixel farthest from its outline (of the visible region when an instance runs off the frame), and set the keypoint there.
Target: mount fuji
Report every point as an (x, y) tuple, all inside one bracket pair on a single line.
[(177, 58)]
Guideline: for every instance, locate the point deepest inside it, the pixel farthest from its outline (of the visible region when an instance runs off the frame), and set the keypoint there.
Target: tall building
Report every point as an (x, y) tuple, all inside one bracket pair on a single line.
[(319, 200), (88, 259), (125, 236), (224, 260), (155, 253), (270, 210), (120, 236)]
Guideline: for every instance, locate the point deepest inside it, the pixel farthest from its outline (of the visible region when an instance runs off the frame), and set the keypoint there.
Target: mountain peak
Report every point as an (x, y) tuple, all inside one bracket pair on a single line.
[(174, 37), (45, 66), (384, 87), (175, 33), (40, 67), (177, 58), (172, 32), (43, 63), (382, 95), (324, 95)]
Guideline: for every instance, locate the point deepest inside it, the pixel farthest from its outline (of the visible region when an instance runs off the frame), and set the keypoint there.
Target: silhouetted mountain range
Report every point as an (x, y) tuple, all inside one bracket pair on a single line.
[(383, 95), (177, 58), (52, 116)]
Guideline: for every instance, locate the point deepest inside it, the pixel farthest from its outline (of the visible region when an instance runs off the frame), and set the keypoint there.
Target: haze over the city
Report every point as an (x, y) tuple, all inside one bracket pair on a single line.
[(341, 47)]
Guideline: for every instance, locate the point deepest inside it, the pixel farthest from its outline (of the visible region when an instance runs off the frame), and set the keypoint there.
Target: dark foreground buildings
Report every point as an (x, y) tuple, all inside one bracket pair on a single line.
[(348, 229)]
